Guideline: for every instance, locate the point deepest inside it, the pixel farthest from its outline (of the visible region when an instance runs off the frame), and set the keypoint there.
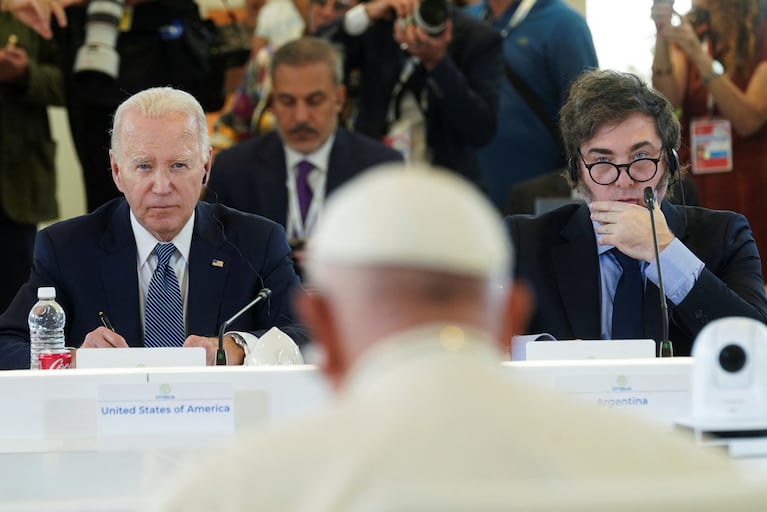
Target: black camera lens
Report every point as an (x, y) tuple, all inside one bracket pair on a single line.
[(732, 358), (431, 16)]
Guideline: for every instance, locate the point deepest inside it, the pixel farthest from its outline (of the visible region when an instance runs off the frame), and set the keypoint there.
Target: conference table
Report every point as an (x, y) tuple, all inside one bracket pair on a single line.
[(108, 439)]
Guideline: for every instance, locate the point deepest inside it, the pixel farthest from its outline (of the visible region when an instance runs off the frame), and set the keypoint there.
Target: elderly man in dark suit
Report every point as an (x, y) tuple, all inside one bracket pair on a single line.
[(620, 137), (285, 175), (166, 269)]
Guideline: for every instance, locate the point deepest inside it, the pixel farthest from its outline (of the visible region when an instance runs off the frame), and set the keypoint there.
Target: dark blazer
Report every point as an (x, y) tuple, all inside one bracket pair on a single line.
[(91, 260), (556, 255), (462, 90), (251, 176)]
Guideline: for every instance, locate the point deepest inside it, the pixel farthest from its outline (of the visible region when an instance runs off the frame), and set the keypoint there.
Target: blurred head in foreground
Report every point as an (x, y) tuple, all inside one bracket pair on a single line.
[(404, 246)]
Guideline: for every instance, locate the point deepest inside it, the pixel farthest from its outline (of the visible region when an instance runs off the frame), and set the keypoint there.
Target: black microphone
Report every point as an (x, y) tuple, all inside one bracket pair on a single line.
[(263, 294), (665, 349)]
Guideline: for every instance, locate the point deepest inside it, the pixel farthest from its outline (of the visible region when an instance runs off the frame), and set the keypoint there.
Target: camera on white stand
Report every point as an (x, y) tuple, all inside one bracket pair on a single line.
[(729, 375), (729, 383)]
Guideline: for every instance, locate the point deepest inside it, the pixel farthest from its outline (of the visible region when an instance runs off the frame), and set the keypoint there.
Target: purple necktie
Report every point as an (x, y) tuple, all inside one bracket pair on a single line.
[(302, 187)]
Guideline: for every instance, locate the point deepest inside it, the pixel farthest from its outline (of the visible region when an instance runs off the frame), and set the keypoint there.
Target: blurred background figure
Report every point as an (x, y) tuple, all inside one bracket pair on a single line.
[(248, 113), (251, 10), (430, 90), (712, 65), (546, 44), (38, 14), (285, 175), (280, 21), (30, 80)]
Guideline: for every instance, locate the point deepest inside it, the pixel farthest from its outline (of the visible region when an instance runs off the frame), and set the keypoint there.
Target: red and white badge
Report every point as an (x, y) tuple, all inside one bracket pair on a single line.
[(710, 145)]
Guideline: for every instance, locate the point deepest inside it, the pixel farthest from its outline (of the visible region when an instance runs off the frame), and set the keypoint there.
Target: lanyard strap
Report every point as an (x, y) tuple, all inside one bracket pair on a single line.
[(518, 17), (407, 71), (296, 226)]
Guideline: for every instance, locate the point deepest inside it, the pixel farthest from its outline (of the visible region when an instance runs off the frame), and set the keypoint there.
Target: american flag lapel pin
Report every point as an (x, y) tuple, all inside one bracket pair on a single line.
[(217, 263)]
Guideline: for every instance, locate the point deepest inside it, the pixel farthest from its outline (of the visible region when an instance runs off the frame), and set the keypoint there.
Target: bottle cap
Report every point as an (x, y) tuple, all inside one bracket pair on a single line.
[(46, 292)]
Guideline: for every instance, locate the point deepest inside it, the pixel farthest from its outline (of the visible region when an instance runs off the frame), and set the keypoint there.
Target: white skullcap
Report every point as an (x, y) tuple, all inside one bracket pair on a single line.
[(412, 216)]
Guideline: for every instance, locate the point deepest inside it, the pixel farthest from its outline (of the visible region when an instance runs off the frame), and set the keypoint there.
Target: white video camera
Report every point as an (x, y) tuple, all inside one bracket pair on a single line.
[(729, 376)]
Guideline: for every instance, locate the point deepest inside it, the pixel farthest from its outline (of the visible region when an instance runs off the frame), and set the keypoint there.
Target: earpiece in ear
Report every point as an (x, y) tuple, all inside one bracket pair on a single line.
[(673, 162), (572, 167), (204, 178)]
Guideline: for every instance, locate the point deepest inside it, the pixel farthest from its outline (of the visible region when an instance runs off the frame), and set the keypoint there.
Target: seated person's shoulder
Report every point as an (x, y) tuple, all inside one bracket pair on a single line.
[(370, 148), (232, 220), (243, 149), (706, 218), (89, 226)]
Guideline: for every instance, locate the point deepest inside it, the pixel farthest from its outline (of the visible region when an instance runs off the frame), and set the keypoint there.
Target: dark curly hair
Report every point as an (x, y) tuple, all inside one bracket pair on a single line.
[(601, 96)]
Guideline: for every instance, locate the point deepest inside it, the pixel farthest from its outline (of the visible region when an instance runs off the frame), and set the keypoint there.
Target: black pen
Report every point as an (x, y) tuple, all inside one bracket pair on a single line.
[(105, 320)]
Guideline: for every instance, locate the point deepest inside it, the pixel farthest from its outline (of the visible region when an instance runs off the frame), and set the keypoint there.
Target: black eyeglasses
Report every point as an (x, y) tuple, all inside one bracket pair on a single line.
[(338, 5), (607, 173)]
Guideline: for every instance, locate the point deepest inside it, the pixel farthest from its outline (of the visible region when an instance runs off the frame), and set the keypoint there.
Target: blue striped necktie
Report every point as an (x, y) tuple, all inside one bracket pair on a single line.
[(164, 313)]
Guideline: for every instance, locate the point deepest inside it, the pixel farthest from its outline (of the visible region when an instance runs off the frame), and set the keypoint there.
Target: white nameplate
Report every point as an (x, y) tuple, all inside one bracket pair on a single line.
[(662, 394), (172, 408)]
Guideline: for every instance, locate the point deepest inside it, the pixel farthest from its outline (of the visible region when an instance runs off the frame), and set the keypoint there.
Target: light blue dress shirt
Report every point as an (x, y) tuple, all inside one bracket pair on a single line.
[(681, 269)]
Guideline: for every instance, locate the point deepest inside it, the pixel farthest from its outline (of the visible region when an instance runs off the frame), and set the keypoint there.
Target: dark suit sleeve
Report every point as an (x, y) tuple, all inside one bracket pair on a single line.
[(14, 330), (280, 277), (467, 92), (731, 284)]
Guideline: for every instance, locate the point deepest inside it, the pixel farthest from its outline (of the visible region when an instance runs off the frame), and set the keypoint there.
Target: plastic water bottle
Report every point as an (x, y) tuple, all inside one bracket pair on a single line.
[(46, 326)]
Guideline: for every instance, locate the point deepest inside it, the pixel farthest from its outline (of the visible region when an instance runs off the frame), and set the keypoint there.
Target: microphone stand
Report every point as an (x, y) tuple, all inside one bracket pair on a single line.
[(263, 294), (666, 348)]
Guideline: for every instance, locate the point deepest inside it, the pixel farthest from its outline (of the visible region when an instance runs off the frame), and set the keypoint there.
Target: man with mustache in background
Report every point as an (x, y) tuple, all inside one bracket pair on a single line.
[(286, 174)]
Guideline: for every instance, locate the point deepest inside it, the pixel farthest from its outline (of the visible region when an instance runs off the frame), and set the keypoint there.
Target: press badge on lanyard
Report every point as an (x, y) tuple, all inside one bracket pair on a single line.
[(710, 145), (710, 139)]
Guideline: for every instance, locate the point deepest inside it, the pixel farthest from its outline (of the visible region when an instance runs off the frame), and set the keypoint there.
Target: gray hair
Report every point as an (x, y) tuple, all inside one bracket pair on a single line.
[(309, 50), (157, 103)]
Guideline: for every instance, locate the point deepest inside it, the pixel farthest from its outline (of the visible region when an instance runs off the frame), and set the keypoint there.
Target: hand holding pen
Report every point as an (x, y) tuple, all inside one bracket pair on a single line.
[(105, 321), (104, 336)]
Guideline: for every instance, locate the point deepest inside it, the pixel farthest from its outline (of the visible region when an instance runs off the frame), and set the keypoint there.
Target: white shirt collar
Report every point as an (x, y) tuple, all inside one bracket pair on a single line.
[(320, 159), (145, 242)]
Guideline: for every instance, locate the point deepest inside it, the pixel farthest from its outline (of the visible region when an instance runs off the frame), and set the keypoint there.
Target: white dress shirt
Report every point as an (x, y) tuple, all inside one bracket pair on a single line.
[(320, 159), (146, 259)]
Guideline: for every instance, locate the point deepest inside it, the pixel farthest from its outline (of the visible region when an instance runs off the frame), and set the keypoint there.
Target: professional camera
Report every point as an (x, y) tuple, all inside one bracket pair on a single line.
[(98, 54), (729, 375), (430, 16)]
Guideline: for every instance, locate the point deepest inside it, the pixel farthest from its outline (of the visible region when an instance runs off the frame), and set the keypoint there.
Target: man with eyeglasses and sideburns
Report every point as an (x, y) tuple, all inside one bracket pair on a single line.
[(620, 137)]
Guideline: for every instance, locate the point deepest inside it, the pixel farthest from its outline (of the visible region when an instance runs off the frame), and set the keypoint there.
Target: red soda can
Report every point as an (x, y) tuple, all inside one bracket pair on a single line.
[(56, 360)]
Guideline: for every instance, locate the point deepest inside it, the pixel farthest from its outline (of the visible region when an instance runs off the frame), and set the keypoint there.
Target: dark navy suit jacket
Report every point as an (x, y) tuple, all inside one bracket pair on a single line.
[(91, 261), (556, 254), (251, 176), (462, 90)]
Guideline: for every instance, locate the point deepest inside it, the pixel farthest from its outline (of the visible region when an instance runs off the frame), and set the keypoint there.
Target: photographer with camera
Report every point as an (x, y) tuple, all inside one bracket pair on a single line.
[(429, 79), (536, 77), (712, 64), (30, 81)]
